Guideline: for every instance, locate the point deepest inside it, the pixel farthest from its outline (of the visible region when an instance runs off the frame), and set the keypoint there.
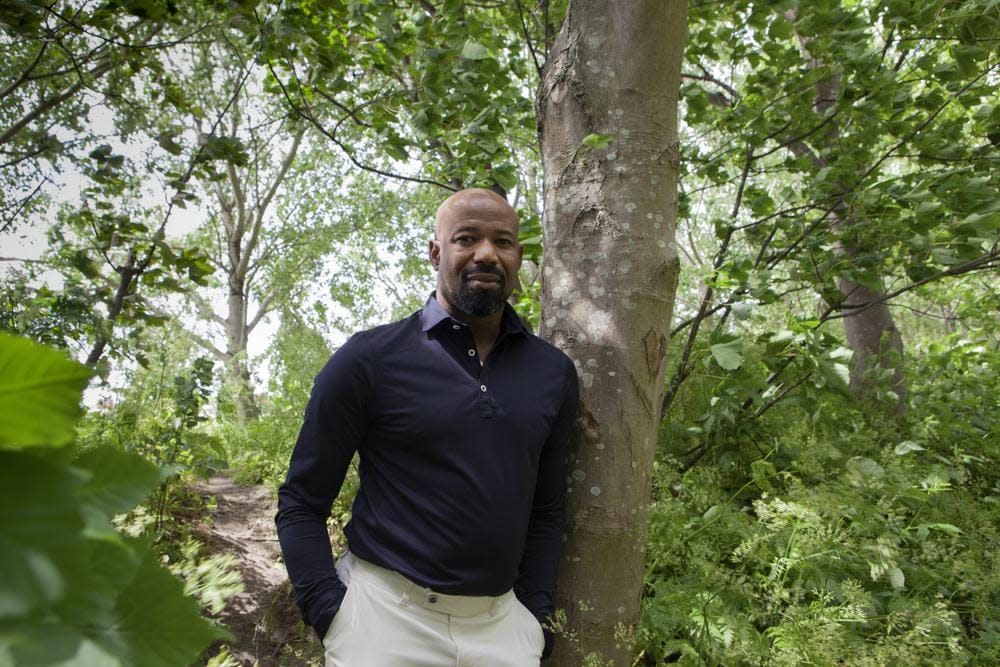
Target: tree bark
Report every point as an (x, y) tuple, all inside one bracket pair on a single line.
[(608, 290), (237, 335), (872, 334)]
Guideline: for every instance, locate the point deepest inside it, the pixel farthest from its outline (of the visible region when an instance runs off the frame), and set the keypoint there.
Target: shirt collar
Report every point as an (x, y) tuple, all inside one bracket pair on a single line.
[(434, 314)]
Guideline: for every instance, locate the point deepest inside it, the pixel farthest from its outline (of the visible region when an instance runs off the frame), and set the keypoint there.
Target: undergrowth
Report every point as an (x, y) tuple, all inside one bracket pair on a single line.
[(835, 535)]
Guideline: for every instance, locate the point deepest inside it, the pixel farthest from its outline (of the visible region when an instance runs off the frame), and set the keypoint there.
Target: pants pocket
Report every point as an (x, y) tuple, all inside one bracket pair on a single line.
[(341, 619), (534, 627)]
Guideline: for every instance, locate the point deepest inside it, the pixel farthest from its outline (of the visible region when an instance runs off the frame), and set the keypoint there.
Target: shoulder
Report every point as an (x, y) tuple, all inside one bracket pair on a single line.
[(359, 354), (384, 335)]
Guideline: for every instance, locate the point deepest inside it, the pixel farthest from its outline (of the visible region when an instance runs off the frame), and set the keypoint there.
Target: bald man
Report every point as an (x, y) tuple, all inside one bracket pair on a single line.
[(460, 418)]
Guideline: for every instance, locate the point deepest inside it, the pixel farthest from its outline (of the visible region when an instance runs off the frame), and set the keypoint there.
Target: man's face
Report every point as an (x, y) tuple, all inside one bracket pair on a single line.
[(476, 252)]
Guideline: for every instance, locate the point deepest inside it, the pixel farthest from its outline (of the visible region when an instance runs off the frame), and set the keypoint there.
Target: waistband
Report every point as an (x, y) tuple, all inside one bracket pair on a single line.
[(350, 566)]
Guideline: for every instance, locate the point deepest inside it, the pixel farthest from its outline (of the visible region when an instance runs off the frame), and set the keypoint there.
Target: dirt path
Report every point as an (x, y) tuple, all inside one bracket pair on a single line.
[(264, 617)]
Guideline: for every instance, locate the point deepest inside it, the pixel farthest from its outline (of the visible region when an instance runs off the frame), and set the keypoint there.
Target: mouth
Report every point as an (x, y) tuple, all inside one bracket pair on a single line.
[(484, 278)]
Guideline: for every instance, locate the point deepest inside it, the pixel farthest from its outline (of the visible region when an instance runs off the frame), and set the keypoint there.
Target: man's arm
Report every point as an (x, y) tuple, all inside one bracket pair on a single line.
[(536, 582), (332, 430)]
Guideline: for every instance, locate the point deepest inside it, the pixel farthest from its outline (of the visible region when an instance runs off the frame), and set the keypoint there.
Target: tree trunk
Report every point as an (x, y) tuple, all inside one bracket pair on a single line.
[(608, 290), (237, 371), (870, 331), (875, 340)]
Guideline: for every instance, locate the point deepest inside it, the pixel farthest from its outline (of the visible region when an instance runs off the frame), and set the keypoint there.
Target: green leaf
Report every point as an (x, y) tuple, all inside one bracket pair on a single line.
[(762, 472), (906, 447), (862, 471), (728, 355), (942, 527), (226, 149), (118, 482), (40, 392), (475, 51), (101, 153), (837, 375), (598, 141), (780, 28), (168, 142), (160, 625), (505, 177), (40, 525)]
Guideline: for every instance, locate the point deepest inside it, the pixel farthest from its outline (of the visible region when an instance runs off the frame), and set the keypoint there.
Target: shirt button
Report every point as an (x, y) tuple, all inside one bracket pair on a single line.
[(483, 387), (472, 353), (455, 327), (432, 599)]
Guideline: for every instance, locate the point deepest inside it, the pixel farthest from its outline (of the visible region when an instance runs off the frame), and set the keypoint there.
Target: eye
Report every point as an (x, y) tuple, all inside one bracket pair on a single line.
[(464, 239), (505, 243)]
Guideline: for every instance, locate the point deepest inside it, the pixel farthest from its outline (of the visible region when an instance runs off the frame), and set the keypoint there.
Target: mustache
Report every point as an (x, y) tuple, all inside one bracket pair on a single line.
[(485, 268)]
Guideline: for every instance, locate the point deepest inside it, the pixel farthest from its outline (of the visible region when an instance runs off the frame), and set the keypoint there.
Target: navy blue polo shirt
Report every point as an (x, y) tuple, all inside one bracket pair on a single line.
[(461, 465)]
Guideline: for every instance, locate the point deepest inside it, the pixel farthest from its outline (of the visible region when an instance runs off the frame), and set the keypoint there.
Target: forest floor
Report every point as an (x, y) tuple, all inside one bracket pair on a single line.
[(239, 520)]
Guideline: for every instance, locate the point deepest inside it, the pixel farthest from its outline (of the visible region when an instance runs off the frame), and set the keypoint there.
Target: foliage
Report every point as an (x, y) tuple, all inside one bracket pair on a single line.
[(211, 579), (75, 590), (107, 248), (832, 535), (445, 84), (834, 147), (158, 413), (790, 524)]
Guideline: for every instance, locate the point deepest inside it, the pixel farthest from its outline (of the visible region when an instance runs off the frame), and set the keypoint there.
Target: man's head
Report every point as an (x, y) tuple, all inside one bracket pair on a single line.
[(475, 252)]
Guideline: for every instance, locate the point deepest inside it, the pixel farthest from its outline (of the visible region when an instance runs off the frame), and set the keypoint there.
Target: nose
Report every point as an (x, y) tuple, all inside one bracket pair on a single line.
[(486, 253)]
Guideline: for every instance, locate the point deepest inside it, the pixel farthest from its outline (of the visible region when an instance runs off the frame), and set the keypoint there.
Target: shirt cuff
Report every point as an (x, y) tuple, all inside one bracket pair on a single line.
[(549, 642)]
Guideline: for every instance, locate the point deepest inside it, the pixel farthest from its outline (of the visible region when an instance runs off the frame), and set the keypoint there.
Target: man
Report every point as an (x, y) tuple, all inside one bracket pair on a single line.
[(461, 418)]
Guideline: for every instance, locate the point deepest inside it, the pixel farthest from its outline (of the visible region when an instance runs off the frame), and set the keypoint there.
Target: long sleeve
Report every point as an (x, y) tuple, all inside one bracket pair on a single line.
[(333, 428), (536, 583)]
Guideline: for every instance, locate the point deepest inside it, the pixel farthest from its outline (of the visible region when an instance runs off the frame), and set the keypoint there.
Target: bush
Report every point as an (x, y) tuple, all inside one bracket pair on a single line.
[(837, 536)]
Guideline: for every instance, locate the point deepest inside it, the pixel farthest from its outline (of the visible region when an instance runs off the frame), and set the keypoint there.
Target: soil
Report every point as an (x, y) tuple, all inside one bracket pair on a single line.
[(264, 619)]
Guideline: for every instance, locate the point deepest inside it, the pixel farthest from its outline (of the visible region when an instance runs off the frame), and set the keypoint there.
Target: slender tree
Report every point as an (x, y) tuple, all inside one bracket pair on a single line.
[(607, 118)]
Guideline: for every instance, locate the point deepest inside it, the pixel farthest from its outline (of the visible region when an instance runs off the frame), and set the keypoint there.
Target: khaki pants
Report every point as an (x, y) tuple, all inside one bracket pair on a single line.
[(388, 621)]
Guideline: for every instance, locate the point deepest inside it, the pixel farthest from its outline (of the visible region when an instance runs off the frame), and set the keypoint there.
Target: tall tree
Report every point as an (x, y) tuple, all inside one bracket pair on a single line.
[(241, 209), (607, 118), (854, 144), (70, 60)]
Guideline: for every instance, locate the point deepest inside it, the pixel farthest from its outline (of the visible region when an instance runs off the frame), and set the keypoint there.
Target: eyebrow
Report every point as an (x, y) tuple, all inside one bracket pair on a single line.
[(478, 230)]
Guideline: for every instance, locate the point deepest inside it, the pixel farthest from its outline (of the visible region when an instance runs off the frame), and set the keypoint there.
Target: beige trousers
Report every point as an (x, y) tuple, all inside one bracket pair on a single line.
[(388, 621)]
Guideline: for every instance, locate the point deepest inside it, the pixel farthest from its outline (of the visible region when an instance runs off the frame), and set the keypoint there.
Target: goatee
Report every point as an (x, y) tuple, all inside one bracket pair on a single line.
[(479, 302)]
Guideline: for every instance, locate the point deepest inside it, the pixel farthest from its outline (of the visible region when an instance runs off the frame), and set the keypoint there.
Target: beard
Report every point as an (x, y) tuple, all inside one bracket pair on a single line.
[(479, 302)]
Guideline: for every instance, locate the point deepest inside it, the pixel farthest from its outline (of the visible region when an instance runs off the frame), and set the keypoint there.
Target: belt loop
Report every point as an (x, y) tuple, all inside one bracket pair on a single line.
[(405, 593)]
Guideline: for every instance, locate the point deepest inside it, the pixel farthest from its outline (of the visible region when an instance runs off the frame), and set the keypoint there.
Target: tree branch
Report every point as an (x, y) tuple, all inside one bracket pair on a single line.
[(263, 309), (26, 74), (990, 260), (527, 36), (205, 309), (684, 367), (132, 270), (308, 117)]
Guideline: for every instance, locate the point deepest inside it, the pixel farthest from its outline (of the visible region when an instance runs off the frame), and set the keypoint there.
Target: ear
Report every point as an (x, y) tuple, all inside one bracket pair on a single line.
[(434, 253)]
